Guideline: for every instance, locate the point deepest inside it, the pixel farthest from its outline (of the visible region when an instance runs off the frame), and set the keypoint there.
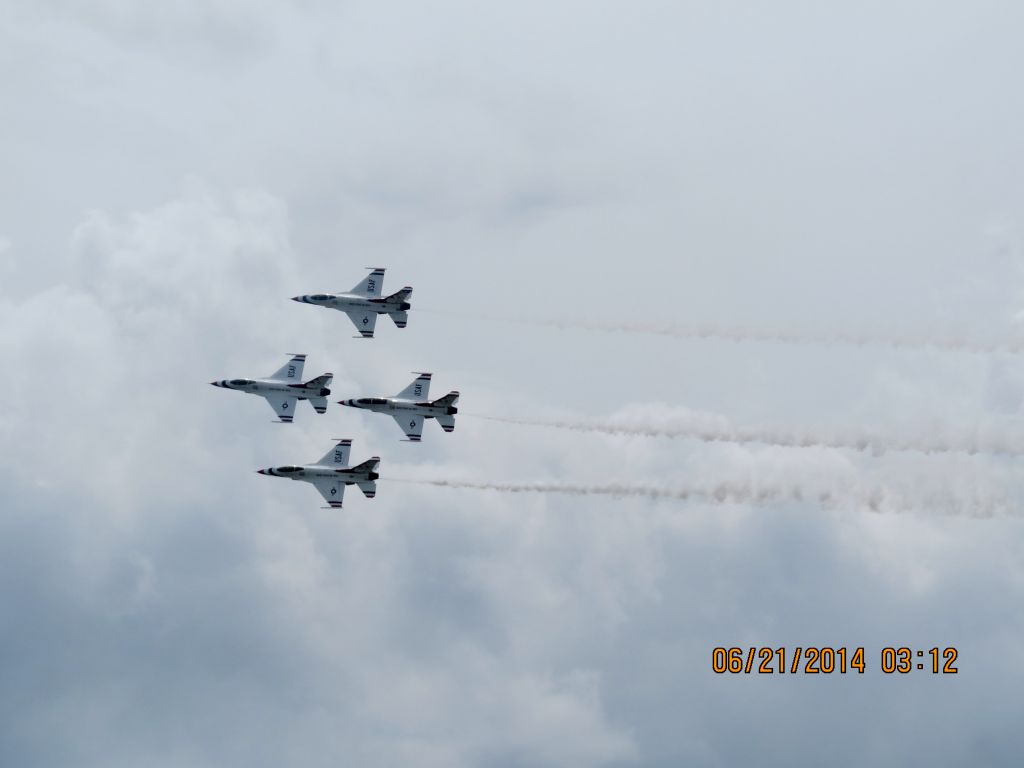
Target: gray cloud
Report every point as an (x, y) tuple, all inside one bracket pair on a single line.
[(172, 176)]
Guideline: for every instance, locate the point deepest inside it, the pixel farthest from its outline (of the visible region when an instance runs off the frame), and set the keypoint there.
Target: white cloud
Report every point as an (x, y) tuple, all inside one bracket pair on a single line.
[(164, 604)]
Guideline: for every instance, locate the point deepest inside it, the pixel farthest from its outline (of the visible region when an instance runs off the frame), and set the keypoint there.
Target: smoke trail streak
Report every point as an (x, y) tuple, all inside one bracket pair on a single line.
[(759, 334), (720, 494), (739, 334), (879, 499), (876, 444)]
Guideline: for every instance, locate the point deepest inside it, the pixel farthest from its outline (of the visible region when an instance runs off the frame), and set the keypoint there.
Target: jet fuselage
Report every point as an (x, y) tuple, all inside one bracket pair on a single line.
[(349, 475), (399, 405), (266, 387), (350, 302)]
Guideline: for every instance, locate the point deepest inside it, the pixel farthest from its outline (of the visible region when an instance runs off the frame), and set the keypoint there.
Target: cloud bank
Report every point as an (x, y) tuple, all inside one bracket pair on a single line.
[(172, 176)]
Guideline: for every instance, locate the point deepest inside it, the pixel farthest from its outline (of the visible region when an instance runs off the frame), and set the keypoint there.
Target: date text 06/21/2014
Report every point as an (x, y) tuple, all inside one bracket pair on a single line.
[(814, 660)]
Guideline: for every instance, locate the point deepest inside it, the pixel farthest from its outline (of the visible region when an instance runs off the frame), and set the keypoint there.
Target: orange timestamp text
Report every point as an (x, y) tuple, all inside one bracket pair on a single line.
[(815, 660)]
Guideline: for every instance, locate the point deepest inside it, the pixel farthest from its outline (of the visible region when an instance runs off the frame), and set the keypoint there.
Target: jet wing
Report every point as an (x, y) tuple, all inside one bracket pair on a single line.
[(411, 424), (290, 371), (370, 285), (338, 455), (332, 490), (363, 320), (418, 390), (283, 405)]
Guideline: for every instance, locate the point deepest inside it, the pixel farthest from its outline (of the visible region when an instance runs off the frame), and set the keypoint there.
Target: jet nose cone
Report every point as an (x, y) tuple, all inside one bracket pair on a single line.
[(296, 298), (261, 471), (216, 384)]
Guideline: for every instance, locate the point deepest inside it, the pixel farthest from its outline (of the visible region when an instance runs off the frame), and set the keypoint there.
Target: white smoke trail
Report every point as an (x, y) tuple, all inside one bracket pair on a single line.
[(734, 333), (712, 430), (879, 499), (787, 336)]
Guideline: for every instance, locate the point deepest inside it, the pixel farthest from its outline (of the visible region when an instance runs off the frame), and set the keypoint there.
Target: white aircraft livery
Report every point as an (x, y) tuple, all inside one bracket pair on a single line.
[(283, 388), (331, 474), (411, 407), (363, 303)]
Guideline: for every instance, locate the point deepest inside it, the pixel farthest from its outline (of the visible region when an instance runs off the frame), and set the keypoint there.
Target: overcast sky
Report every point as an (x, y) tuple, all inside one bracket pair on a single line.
[(170, 176)]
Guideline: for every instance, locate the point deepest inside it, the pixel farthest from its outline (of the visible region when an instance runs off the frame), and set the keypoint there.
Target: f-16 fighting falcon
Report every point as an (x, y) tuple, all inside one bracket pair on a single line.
[(411, 407), (283, 388), (332, 473), (363, 303)]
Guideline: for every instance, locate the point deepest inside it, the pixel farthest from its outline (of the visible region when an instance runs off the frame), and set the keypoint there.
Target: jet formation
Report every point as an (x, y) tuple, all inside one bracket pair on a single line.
[(410, 408)]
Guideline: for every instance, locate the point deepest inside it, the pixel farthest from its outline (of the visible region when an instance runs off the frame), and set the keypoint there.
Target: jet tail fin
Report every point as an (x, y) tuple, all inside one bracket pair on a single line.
[(401, 318), (370, 465), (320, 382), (400, 297), (448, 400), (316, 391), (368, 487)]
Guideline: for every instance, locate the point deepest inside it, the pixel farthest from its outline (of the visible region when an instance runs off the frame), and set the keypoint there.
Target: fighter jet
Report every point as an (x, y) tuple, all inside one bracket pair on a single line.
[(331, 474), (411, 407), (283, 388), (363, 303)]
